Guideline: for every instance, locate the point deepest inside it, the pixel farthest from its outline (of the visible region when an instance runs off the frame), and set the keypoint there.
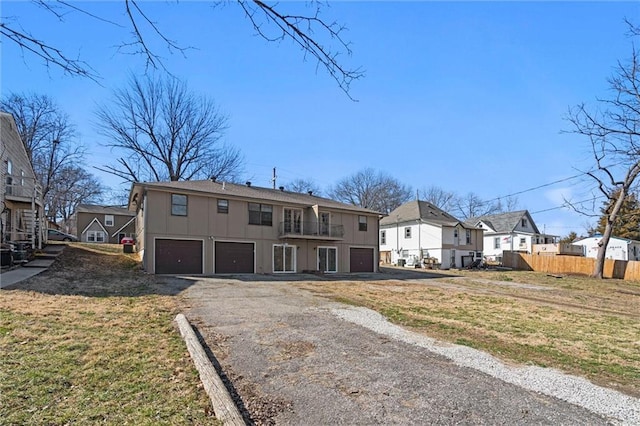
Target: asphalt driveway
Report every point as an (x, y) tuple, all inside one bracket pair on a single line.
[(292, 360)]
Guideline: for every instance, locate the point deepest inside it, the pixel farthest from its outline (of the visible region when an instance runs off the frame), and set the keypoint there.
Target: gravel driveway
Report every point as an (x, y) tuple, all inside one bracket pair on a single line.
[(295, 358)]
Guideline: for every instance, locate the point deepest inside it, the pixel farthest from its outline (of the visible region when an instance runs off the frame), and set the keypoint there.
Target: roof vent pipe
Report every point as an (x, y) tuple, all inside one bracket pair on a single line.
[(248, 183), (310, 192), (281, 188)]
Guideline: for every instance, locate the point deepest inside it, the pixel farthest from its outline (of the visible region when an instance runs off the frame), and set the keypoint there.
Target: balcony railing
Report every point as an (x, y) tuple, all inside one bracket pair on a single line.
[(310, 229), (23, 192)]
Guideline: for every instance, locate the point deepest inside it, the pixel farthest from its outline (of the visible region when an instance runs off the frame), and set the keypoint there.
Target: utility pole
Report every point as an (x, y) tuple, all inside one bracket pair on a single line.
[(273, 179)]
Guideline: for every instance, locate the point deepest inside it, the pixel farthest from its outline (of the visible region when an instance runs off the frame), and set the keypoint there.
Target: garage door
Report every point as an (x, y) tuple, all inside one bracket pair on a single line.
[(234, 258), (178, 256), (361, 260)]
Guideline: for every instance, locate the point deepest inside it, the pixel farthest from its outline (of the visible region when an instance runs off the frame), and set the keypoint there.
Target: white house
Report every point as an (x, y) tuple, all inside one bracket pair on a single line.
[(617, 249), (418, 231), (511, 231)]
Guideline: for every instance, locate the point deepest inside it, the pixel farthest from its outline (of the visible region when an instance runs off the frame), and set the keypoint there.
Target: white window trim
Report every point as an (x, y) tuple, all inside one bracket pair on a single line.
[(295, 258), (109, 223), (318, 257)]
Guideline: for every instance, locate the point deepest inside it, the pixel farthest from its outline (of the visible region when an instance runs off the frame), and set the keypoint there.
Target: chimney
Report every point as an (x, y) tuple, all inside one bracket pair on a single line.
[(248, 183), (281, 188), (310, 192)]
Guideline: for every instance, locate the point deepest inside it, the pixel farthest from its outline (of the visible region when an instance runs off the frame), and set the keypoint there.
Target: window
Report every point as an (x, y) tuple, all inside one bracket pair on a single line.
[(325, 223), (524, 222), (260, 214), (293, 221), (9, 167), (383, 237), (496, 242), (95, 237), (108, 220), (178, 205), (22, 177), (455, 232), (362, 223), (468, 235), (407, 232), (284, 258), (223, 206), (328, 259), (523, 242)]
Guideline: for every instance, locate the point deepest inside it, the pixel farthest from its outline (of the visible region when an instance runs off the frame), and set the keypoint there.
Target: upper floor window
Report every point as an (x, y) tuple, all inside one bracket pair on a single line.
[(108, 220), (468, 235), (22, 177), (524, 223), (383, 237), (9, 167), (178, 205), (362, 223), (496, 242), (260, 214), (455, 232), (407, 232), (223, 206)]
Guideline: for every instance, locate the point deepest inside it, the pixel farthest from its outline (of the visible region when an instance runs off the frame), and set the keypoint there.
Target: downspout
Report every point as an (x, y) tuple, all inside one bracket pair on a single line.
[(33, 221)]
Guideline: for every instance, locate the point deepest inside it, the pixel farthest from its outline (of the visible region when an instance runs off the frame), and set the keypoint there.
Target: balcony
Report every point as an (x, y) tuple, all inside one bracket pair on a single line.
[(22, 193), (310, 231)]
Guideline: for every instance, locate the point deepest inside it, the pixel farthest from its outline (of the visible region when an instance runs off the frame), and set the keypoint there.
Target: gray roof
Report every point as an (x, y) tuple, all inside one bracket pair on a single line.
[(414, 210), (254, 193), (96, 209), (504, 222)]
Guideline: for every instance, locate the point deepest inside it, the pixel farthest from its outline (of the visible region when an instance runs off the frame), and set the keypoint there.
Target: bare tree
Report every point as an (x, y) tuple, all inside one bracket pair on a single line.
[(317, 37), (74, 186), (471, 205), (303, 186), (372, 190), (39, 121), (49, 139), (613, 131), (438, 197), (166, 133)]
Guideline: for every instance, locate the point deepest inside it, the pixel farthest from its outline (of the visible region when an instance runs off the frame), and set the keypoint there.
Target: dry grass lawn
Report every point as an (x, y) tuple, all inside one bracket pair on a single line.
[(579, 325), (88, 342)]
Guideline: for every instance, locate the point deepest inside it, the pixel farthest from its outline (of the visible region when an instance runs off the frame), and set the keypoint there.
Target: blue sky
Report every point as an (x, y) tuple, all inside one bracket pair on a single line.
[(463, 96)]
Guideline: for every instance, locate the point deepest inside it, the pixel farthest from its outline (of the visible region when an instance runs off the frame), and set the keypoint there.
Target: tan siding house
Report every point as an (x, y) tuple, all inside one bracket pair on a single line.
[(206, 227), (104, 224), (21, 209)]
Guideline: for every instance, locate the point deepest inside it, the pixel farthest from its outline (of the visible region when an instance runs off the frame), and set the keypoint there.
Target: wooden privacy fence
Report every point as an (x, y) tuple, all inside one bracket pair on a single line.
[(622, 269)]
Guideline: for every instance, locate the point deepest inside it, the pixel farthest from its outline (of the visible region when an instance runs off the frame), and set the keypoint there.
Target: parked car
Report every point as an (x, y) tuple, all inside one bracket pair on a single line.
[(55, 235)]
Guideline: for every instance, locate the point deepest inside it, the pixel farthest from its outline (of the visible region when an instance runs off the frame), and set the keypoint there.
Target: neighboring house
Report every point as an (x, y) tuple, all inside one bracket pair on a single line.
[(617, 249), (512, 231), (208, 227), (21, 205), (104, 224), (418, 232)]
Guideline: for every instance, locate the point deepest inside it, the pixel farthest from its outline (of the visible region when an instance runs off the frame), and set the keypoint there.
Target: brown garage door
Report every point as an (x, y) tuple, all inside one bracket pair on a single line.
[(234, 258), (361, 260), (178, 256)]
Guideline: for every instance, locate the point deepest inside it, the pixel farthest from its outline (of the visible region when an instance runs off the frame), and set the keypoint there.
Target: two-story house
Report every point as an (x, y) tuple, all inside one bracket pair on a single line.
[(208, 227), (21, 205), (104, 224), (418, 232), (511, 231)]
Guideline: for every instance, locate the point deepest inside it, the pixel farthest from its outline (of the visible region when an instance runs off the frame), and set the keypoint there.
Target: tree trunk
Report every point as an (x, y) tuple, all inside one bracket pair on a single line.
[(598, 270)]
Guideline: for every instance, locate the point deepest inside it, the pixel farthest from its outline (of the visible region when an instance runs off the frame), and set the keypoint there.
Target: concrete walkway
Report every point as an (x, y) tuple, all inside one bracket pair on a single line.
[(41, 262)]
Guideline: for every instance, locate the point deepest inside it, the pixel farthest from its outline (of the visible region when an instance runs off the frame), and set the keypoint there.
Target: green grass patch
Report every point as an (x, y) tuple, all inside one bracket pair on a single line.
[(77, 360)]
